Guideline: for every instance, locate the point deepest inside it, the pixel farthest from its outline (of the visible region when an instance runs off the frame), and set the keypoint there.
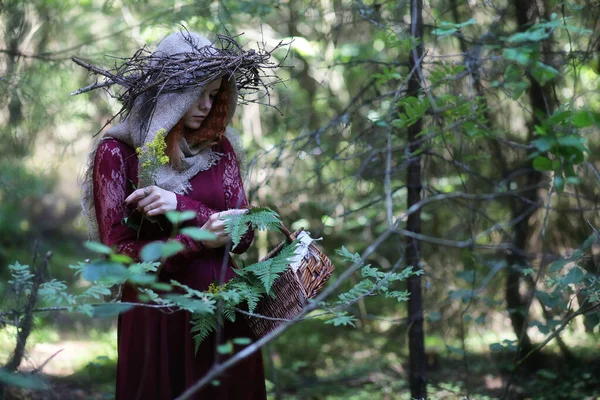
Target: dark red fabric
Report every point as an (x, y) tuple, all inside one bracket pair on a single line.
[(155, 349)]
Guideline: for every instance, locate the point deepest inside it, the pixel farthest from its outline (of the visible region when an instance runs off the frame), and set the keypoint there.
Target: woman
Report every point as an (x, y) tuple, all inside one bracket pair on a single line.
[(156, 357)]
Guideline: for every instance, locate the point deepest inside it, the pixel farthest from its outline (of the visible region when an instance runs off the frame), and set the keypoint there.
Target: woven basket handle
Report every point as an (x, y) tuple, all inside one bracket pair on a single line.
[(290, 238)]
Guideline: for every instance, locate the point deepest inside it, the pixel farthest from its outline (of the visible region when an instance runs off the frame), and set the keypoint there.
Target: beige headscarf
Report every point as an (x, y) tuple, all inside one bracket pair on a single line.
[(142, 123)]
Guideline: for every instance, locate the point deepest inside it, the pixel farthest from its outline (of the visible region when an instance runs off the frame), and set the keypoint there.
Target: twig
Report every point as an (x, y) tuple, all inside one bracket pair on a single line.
[(246, 352), (26, 323), (555, 333), (39, 369)]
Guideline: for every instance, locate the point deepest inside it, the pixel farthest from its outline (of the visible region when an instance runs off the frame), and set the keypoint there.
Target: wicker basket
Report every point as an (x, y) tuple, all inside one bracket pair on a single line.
[(291, 289)]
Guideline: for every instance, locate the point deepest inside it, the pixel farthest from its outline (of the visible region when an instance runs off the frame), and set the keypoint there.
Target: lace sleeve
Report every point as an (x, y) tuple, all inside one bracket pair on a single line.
[(112, 184), (234, 192)]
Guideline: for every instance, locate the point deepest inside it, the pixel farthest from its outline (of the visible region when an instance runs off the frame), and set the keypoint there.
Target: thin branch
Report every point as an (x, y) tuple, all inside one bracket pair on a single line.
[(218, 369)]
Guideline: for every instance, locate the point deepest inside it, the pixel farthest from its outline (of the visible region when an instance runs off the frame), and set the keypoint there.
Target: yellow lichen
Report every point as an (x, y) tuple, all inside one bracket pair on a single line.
[(152, 156)]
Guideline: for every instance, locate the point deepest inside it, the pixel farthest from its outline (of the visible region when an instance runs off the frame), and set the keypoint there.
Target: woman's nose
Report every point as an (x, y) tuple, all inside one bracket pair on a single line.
[(204, 103)]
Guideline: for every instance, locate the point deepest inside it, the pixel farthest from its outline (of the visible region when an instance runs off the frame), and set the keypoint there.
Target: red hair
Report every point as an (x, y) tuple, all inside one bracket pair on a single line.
[(211, 130)]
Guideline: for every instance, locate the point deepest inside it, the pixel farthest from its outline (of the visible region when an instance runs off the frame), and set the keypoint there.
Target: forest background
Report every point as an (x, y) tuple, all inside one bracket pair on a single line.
[(457, 137)]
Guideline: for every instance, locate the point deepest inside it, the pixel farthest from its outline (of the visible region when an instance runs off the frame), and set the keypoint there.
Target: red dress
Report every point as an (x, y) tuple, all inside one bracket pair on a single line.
[(155, 349)]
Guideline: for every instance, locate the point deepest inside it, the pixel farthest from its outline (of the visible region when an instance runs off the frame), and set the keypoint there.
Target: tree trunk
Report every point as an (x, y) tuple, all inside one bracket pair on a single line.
[(416, 340), (541, 104)]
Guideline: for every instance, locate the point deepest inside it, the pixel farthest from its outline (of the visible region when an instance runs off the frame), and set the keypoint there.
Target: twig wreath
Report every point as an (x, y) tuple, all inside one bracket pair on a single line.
[(148, 73)]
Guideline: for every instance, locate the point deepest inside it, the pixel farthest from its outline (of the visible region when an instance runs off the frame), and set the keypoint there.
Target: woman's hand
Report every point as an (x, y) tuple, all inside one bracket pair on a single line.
[(216, 226), (153, 200)]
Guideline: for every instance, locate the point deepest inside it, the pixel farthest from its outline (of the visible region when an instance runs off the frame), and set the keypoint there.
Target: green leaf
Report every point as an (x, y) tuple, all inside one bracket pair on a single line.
[(225, 348), (589, 241), (516, 89), (471, 129), (585, 118), (120, 258), (202, 325), (547, 299), (572, 141), (544, 73), (98, 271), (177, 217), (496, 347), (559, 183), (542, 164), (532, 35), (444, 32), (544, 144), (560, 116), (161, 286), (142, 279), (97, 247), (513, 73), (110, 309), (400, 296), (242, 341), (558, 265), (197, 306), (269, 270), (96, 292), (574, 276), (472, 21), (342, 320), (170, 248), (447, 28), (22, 380), (257, 217), (517, 55), (152, 252), (198, 234)]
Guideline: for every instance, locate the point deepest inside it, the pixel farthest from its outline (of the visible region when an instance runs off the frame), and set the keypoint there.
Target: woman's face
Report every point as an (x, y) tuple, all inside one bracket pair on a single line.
[(194, 117)]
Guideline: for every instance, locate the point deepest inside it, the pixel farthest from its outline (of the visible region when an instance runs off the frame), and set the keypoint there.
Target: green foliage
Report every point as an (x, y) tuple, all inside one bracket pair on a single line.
[(21, 279), (414, 109), (342, 319), (26, 381), (177, 217), (255, 218), (346, 71), (197, 233), (269, 270), (374, 282), (202, 326), (447, 28), (558, 137)]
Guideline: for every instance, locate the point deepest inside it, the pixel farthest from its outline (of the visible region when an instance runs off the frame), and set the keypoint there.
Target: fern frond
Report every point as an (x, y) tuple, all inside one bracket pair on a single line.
[(96, 292), (22, 278), (189, 291), (256, 218), (249, 293), (361, 289), (202, 326), (51, 288), (204, 305), (229, 313), (269, 270)]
